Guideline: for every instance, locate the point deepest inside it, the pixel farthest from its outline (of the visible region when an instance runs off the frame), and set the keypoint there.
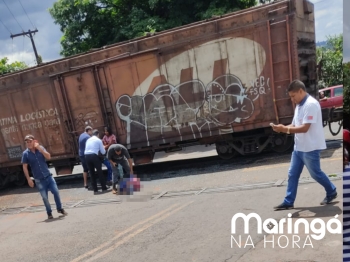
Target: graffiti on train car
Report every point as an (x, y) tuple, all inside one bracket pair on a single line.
[(258, 87), (47, 118), (203, 91), (190, 107)]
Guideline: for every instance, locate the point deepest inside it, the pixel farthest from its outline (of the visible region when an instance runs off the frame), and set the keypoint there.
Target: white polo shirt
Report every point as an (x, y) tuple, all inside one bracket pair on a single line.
[(309, 111), (93, 146)]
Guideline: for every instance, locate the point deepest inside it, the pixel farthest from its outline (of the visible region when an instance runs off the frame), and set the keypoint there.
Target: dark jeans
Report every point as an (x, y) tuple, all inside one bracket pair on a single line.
[(94, 162)]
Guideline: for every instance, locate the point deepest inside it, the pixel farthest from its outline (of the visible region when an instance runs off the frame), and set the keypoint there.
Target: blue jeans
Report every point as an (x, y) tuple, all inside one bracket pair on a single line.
[(312, 162), (43, 186), (118, 172), (109, 169)]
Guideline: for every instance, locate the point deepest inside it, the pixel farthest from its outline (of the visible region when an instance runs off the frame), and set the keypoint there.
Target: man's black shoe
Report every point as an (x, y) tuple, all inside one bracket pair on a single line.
[(328, 200), (283, 206), (62, 211), (49, 216)]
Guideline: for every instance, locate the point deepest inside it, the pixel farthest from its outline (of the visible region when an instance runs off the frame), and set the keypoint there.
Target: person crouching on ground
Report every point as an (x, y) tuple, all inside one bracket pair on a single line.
[(35, 156), (118, 154)]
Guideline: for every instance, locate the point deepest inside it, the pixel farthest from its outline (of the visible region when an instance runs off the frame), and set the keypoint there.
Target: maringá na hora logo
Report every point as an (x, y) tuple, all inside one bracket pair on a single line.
[(284, 233)]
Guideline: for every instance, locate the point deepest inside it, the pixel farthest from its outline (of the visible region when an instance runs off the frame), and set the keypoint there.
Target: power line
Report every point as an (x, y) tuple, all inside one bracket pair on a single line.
[(26, 14), (12, 15), (5, 27)]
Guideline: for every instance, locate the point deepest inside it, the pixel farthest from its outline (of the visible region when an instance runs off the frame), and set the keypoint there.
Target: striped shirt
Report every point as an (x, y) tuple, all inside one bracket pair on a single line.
[(346, 214)]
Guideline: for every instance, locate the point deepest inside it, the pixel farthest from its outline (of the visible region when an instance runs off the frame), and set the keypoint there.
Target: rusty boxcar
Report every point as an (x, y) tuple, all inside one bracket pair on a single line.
[(219, 81)]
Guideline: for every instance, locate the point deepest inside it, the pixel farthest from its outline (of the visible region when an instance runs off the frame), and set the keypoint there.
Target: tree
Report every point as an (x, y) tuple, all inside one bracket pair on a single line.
[(330, 61), (6, 68), (88, 24)]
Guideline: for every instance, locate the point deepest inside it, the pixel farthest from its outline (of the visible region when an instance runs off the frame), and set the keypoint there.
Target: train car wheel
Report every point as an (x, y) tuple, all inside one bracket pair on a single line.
[(225, 151), (282, 143), (20, 179)]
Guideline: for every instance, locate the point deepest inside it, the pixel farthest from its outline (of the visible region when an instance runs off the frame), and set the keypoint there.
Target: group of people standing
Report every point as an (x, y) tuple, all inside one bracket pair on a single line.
[(94, 152)]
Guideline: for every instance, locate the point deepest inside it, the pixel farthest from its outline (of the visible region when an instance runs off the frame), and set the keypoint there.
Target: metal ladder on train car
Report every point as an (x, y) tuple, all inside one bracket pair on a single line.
[(278, 46)]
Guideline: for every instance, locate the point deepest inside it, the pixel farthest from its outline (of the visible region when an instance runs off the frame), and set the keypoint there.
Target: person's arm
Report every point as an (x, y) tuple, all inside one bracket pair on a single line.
[(26, 173), (309, 117), (102, 148), (127, 155), (109, 157), (292, 129), (130, 164), (104, 140), (113, 140), (42, 150)]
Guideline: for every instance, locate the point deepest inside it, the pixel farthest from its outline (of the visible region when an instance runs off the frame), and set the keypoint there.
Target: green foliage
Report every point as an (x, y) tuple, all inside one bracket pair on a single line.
[(88, 24), (346, 92), (330, 59), (6, 68)]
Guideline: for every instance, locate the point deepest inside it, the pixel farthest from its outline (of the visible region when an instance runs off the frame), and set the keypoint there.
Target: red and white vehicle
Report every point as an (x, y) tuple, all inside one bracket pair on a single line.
[(333, 97)]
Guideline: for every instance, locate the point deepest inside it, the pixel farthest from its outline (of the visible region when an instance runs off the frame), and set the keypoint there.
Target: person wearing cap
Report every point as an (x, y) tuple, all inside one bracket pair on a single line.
[(118, 155), (93, 148), (82, 144), (35, 156)]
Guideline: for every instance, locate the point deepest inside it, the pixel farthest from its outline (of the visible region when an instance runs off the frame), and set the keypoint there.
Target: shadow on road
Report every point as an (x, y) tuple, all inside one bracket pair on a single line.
[(329, 210)]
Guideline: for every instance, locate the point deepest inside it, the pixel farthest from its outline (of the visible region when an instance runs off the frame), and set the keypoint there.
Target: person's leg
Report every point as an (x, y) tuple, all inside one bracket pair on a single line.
[(42, 187), (123, 186), (116, 177), (109, 169), (91, 167), (121, 171), (312, 162), (85, 170), (295, 169), (98, 165), (54, 190)]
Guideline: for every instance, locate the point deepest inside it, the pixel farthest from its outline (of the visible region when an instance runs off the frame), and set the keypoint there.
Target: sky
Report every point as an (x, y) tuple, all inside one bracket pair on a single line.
[(328, 16)]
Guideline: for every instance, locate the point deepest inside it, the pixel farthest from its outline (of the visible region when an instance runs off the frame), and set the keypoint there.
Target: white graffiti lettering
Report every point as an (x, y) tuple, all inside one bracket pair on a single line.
[(31, 126), (9, 130), (39, 114), (258, 87), (52, 122), (8, 121)]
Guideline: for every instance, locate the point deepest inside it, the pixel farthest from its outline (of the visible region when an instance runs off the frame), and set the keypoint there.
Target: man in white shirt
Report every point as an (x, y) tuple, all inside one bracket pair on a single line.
[(309, 141), (93, 147)]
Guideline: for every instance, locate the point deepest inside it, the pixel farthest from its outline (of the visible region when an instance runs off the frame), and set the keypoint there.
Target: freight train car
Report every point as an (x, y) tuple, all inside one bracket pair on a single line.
[(221, 81)]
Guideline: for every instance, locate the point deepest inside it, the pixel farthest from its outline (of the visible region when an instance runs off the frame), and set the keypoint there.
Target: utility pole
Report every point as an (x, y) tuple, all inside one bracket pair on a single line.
[(29, 33)]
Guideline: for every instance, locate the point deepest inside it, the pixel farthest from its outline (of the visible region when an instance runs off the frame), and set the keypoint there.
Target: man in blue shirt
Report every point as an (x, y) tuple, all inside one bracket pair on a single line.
[(93, 147), (82, 143), (35, 156)]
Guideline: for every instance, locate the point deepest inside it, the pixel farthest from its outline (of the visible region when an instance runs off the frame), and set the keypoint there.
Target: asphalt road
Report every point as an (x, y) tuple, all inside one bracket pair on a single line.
[(182, 228), (187, 219)]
